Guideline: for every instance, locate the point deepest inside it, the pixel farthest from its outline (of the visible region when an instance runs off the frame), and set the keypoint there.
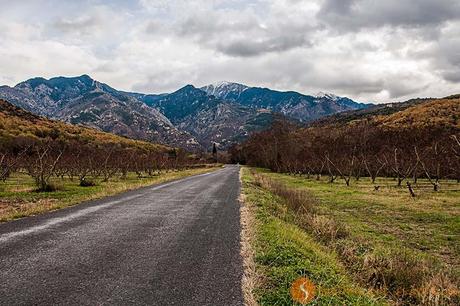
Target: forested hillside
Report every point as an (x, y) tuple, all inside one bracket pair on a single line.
[(44, 148), (438, 114), (422, 140), (17, 123)]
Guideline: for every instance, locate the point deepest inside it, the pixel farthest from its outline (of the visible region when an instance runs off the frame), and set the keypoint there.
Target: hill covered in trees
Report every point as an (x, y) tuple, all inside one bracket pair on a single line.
[(438, 114), (17, 125), (44, 148), (420, 139)]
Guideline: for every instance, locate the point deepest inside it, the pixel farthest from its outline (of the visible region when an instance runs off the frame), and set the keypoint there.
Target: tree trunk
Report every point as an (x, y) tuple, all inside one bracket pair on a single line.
[(412, 193)]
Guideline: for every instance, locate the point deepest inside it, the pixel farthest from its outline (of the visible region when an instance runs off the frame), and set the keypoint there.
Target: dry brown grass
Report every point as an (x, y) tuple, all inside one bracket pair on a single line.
[(249, 280), (303, 205), (23, 208), (325, 229), (296, 200), (438, 290), (408, 279)]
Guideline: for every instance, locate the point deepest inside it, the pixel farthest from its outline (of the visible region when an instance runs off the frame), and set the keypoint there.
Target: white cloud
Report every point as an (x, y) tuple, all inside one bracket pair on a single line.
[(367, 50)]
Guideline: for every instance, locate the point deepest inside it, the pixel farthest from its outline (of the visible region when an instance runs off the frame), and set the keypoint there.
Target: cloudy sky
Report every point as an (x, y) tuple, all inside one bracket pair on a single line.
[(369, 50)]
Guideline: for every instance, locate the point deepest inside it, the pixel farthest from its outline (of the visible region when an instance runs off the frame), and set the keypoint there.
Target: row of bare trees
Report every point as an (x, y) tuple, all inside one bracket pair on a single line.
[(355, 151), (44, 159)]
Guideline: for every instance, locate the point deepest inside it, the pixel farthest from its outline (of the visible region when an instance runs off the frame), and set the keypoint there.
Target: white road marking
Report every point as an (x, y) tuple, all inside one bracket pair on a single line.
[(55, 221)]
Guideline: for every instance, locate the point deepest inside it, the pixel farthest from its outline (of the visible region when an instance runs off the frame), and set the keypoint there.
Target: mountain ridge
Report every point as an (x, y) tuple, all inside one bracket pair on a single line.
[(190, 117), (19, 125), (301, 107), (82, 100), (208, 118)]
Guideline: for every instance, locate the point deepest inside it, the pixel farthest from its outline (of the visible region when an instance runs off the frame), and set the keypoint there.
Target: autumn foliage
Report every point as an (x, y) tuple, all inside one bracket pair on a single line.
[(422, 141), (44, 149)]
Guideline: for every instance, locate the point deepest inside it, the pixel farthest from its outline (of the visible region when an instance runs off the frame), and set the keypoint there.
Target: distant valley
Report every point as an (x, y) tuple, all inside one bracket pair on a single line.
[(191, 118)]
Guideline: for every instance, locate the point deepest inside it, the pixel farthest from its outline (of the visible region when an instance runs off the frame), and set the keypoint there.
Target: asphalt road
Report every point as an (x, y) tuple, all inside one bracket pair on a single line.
[(173, 244)]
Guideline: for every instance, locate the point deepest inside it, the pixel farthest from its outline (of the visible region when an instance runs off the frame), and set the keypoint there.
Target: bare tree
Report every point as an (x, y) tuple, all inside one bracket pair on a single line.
[(41, 165), (432, 163), (373, 165), (400, 164)]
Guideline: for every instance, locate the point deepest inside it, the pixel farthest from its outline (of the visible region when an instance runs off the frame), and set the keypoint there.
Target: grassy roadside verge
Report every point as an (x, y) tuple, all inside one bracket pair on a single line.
[(283, 252), (17, 198), (388, 242)]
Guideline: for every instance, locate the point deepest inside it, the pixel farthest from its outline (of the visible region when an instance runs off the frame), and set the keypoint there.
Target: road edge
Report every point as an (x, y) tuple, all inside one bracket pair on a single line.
[(247, 223)]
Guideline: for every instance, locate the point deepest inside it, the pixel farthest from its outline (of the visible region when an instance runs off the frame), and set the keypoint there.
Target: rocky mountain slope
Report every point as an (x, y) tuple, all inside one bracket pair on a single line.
[(225, 90), (291, 104), (18, 125), (192, 118), (82, 100), (210, 119)]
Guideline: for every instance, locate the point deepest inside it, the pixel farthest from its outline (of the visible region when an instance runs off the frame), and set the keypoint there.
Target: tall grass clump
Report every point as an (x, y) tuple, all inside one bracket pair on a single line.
[(303, 206)]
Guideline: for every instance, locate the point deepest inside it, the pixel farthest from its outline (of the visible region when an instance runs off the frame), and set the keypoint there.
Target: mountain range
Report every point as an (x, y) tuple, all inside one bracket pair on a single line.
[(192, 118), (292, 104)]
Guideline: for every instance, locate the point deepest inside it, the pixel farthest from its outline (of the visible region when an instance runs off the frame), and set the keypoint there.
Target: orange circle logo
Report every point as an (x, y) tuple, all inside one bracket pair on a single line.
[(303, 290)]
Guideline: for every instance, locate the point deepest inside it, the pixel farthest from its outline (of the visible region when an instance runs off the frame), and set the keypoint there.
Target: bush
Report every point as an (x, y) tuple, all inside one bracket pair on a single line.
[(87, 183), (49, 187)]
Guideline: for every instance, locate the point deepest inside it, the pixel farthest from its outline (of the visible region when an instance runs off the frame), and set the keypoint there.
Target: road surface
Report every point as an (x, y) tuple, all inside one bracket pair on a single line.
[(173, 244)]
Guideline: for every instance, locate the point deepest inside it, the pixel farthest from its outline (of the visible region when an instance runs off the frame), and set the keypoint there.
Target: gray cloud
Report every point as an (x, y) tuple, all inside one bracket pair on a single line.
[(448, 56), (452, 75), (243, 47), (336, 7), (245, 34), (443, 54), (403, 85), (358, 14), (84, 24)]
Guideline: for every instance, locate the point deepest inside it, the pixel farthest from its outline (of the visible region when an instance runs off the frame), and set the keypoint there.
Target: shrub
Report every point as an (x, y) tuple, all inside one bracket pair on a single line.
[(87, 183), (49, 187)]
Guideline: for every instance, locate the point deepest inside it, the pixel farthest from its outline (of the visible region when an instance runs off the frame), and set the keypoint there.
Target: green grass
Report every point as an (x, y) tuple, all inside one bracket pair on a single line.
[(285, 252), (390, 217), (18, 198), (412, 243)]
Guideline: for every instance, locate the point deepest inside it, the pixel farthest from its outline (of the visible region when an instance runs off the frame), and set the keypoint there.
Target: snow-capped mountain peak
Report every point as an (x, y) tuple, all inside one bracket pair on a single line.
[(225, 90), (330, 96), (221, 84)]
